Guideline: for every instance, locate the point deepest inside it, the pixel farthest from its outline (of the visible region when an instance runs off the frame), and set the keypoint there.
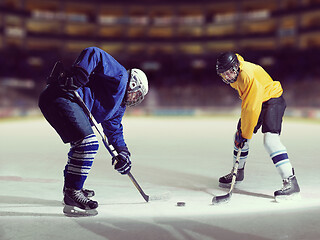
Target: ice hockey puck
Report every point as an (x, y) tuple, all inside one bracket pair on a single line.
[(181, 204)]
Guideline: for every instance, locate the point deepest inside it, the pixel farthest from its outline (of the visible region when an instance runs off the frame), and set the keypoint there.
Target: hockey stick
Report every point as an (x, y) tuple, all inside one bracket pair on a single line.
[(87, 111), (226, 198)]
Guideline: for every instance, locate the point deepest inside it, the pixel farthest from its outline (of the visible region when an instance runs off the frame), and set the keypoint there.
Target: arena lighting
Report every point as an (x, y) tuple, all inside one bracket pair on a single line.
[(35, 61), (253, 15), (151, 66), (164, 21), (110, 20), (198, 64), (17, 32), (267, 61), (17, 83), (50, 15)]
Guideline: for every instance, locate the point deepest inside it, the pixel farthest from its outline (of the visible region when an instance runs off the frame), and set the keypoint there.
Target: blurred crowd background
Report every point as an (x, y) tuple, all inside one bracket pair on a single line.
[(175, 42)]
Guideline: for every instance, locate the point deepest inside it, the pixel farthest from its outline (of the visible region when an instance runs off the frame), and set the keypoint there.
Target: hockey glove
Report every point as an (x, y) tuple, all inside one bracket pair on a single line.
[(72, 79), (239, 141), (122, 162)]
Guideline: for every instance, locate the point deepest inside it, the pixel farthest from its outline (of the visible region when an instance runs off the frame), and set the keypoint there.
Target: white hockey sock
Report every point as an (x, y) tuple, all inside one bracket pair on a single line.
[(278, 154), (243, 156)]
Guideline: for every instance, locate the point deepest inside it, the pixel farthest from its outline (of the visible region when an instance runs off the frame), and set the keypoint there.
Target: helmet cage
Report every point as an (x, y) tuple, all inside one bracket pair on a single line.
[(230, 76), (227, 67), (135, 92)]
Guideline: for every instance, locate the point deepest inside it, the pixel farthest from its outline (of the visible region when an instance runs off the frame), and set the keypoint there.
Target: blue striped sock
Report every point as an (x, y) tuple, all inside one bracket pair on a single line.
[(80, 159), (281, 161), (243, 155)]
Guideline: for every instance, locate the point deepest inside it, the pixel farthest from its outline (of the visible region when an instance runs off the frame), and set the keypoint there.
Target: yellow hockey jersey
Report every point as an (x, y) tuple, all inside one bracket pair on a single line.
[(254, 86)]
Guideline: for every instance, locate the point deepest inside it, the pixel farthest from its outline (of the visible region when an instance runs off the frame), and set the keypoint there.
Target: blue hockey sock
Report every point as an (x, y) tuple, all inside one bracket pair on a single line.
[(80, 159)]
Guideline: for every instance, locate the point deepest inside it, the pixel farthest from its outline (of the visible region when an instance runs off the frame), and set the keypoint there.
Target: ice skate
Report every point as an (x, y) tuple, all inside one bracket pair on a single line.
[(225, 181), (289, 191), (77, 204), (87, 192)]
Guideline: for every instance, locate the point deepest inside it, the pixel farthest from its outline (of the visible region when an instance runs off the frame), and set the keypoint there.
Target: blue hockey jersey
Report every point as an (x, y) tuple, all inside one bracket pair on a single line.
[(104, 92)]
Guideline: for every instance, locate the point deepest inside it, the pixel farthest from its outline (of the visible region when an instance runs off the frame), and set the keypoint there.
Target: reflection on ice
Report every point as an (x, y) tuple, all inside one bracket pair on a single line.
[(185, 161)]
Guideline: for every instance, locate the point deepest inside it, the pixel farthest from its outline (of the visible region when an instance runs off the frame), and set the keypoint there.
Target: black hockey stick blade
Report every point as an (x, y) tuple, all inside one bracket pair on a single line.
[(147, 198), (221, 199), (226, 198), (136, 184)]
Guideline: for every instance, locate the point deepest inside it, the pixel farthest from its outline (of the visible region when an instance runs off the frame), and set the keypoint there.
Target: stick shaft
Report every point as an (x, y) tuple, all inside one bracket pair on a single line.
[(87, 111), (227, 197), (235, 170)]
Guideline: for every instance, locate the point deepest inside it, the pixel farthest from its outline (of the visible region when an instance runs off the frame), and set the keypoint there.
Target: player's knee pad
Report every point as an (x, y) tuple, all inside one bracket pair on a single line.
[(272, 143), (87, 144)]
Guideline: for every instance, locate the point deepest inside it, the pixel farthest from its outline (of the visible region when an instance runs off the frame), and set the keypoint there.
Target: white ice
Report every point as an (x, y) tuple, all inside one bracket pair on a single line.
[(183, 156)]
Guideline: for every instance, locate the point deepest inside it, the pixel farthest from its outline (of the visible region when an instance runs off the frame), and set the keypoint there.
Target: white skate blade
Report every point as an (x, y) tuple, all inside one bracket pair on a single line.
[(228, 185), (72, 211), (284, 198)]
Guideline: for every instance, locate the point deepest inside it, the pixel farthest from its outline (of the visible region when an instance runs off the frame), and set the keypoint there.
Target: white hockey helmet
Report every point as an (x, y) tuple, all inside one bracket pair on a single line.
[(137, 87)]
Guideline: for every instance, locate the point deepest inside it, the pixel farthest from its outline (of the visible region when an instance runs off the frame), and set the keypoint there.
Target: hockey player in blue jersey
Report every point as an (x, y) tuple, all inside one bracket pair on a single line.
[(106, 88)]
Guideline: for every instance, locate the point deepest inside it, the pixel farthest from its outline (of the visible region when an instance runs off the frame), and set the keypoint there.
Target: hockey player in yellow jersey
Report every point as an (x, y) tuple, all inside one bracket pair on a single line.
[(262, 106)]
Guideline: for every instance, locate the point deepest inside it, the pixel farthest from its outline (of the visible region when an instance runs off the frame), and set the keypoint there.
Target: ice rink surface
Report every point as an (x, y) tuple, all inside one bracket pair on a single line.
[(182, 156)]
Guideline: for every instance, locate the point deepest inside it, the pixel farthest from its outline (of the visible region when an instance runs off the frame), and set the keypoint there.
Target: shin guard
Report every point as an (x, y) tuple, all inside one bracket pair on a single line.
[(80, 159), (243, 156), (278, 154)]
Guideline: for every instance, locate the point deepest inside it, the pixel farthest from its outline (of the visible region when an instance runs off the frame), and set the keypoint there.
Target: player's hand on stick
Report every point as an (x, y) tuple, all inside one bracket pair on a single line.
[(68, 79), (122, 162), (72, 79), (239, 141)]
